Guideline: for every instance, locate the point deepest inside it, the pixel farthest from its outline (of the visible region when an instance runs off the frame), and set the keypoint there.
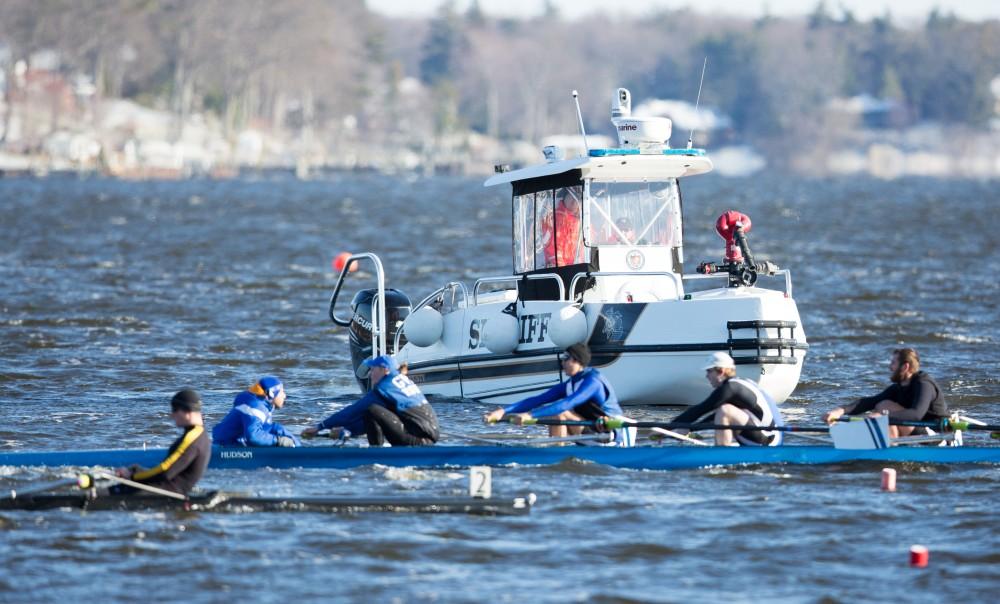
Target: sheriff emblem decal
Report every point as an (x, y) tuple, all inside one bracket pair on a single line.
[(634, 259)]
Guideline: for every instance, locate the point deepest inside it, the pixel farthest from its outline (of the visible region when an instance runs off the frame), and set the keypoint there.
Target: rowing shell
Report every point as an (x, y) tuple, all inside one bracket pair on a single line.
[(643, 458), (230, 502)]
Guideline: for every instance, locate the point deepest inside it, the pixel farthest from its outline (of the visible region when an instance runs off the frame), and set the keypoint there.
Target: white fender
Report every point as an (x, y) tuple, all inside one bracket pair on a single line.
[(424, 327), (502, 333), (568, 327)]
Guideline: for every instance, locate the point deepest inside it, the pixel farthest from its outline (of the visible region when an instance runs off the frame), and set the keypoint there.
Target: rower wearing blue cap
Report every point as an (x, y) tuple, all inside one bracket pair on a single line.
[(394, 409), (249, 422)]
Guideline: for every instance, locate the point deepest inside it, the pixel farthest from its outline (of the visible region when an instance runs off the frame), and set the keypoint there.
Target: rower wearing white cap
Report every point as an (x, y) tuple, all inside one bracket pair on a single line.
[(735, 402)]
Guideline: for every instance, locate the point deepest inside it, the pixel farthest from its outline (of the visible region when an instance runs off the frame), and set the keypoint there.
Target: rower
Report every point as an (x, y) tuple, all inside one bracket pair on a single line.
[(585, 396), (249, 423), (912, 396), (187, 457), (394, 409), (735, 402)]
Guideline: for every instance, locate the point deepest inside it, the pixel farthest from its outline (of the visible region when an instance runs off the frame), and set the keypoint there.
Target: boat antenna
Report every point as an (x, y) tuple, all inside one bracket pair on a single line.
[(583, 131), (697, 101)]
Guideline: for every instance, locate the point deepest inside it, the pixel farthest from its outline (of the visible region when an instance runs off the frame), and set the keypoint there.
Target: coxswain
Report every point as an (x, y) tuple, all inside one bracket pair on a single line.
[(585, 396), (187, 457), (393, 410), (249, 422), (735, 401), (912, 396)]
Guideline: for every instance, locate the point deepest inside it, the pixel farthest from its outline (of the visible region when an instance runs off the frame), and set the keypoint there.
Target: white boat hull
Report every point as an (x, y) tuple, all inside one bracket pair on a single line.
[(652, 352)]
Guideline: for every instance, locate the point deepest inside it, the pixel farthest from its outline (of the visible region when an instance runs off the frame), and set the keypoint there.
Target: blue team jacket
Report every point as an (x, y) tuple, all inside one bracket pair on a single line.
[(395, 391), (249, 424), (588, 385)]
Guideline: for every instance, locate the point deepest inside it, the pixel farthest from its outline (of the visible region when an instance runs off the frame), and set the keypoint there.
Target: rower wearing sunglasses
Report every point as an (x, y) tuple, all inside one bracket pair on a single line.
[(585, 396), (735, 402)]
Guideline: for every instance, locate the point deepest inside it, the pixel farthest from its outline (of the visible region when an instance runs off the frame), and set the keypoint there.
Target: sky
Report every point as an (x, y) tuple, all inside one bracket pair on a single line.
[(902, 10)]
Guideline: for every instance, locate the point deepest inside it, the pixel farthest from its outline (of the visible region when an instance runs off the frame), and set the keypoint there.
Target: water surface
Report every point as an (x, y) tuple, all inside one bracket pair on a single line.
[(117, 294)]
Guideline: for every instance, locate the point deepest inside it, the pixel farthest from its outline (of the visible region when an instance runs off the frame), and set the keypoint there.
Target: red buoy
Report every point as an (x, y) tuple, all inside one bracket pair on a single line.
[(340, 260), (888, 479), (919, 556)]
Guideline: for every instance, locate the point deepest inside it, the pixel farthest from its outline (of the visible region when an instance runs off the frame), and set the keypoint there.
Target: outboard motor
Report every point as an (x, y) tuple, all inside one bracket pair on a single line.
[(733, 226), (397, 308)]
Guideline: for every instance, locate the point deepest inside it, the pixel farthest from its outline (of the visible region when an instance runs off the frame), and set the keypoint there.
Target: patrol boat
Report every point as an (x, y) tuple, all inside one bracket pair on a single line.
[(598, 257)]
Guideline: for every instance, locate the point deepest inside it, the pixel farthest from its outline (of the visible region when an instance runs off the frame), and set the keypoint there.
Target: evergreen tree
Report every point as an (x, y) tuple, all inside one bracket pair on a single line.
[(734, 82), (474, 15), (444, 42)]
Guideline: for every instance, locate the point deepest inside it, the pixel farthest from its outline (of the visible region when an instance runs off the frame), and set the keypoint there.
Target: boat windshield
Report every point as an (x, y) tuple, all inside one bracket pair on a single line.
[(547, 229), (632, 214)]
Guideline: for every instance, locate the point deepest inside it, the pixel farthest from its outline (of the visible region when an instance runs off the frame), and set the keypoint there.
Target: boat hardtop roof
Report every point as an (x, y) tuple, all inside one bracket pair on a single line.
[(617, 165)]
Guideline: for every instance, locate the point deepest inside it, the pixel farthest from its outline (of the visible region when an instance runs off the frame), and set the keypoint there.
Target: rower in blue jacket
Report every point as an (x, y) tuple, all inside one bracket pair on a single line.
[(249, 422), (585, 396), (394, 409)]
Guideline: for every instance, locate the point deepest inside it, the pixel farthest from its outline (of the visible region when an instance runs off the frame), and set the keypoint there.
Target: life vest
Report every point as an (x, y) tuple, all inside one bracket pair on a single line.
[(769, 414)]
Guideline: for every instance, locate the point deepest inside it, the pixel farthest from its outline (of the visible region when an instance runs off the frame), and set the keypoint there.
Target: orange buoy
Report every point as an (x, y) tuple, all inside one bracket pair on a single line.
[(340, 260)]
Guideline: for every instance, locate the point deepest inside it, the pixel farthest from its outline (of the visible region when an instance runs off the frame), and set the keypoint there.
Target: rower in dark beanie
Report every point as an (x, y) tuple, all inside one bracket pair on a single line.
[(187, 457), (585, 395)]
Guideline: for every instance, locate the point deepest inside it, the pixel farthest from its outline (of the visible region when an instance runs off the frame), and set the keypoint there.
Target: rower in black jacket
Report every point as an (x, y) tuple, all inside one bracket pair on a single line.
[(913, 396), (187, 457)]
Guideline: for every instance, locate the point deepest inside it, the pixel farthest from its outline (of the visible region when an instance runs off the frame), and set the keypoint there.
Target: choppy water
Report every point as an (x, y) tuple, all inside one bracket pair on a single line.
[(117, 294)]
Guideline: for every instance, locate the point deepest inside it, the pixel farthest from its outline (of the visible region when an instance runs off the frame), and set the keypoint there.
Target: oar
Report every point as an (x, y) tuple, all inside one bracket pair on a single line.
[(83, 481), (140, 486), (615, 423), (481, 439), (520, 441), (660, 432), (569, 439), (943, 425), (342, 435)]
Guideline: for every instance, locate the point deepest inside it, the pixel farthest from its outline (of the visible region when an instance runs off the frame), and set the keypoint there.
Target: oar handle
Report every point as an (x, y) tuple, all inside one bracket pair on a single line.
[(82, 481), (545, 421), (615, 423), (710, 426)]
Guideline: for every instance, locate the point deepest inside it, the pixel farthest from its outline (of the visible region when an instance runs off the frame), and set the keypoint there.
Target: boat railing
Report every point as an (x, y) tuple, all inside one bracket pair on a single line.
[(454, 287), (674, 277), (514, 279), (779, 273), (378, 304)]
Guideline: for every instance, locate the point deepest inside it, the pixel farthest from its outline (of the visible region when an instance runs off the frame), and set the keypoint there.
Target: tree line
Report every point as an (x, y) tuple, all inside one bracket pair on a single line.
[(308, 63)]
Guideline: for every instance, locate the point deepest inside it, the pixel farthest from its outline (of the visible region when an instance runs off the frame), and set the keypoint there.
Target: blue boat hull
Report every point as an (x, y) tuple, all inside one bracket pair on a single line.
[(644, 458)]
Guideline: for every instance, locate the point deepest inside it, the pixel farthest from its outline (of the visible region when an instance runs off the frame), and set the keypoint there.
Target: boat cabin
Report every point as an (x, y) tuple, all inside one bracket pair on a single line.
[(612, 213)]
